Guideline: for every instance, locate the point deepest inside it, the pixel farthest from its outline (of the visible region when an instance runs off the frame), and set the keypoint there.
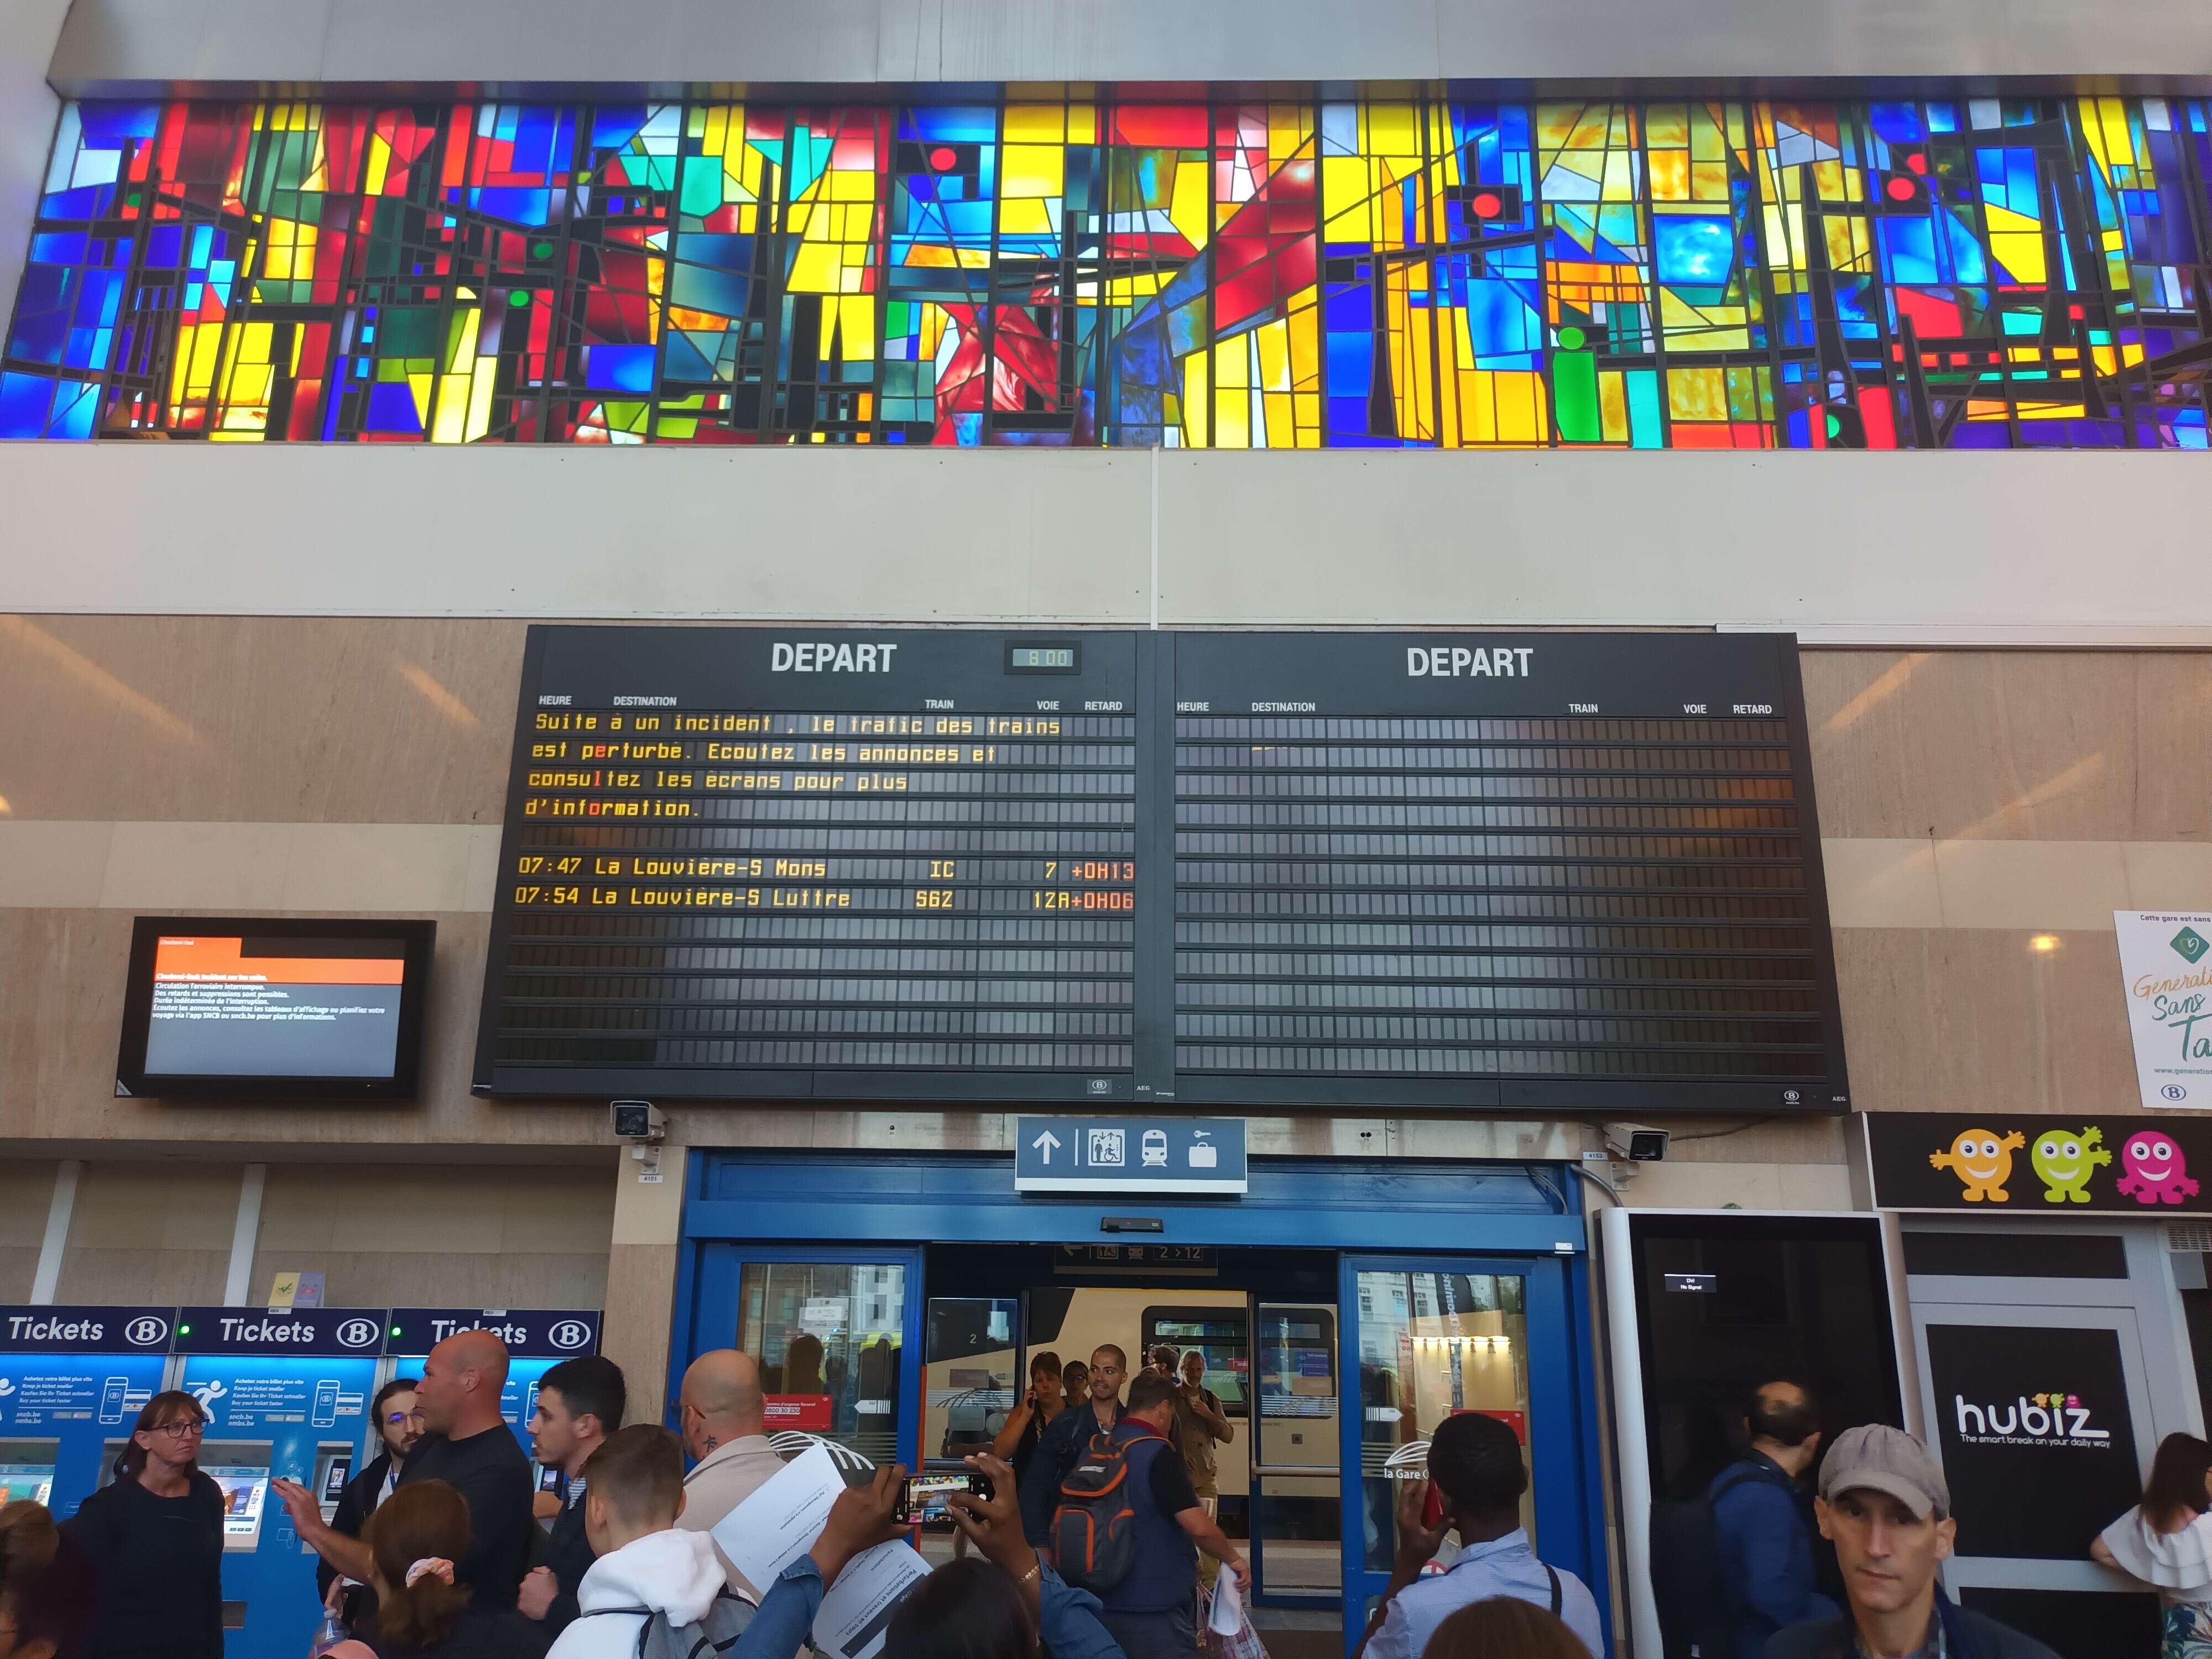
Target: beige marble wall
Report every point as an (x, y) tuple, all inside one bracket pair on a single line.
[(509, 1235), (27, 1190), (150, 1232)]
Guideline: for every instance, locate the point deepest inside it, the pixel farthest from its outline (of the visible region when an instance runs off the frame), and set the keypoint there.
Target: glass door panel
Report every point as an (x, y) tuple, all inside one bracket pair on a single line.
[(1431, 1342), (1298, 1519), (828, 1337)]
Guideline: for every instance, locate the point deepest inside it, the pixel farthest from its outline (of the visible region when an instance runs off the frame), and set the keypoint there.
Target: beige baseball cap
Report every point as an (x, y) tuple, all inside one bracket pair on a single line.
[(1878, 1458)]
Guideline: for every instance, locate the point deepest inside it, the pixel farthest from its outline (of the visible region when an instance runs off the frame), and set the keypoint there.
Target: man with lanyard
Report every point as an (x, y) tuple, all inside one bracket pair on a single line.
[(398, 1429), (1064, 1439), (1884, 1505), (1476, 1464)]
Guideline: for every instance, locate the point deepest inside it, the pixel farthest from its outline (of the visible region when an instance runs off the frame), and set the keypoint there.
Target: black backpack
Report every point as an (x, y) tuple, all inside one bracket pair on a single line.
[(1094, 1530), (1697, 1619)]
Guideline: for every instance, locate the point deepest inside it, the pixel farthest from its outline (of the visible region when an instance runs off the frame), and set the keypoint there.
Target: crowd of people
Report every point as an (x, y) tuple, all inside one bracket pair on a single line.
[(440, 1548)]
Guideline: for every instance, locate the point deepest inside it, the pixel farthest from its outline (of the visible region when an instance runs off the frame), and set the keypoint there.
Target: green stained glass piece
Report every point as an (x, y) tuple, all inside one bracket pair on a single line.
[(518, 299), (1574, 396), (1571, 339), (541, 250)]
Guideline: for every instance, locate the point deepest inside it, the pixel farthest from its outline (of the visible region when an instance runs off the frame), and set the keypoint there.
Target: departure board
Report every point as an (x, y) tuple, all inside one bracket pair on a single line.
[(739, 862), (1550, 872), (1544, 871)]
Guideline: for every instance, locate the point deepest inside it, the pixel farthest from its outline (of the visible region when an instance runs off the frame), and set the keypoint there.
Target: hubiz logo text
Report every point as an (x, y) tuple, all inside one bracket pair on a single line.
[(2040, 1419)]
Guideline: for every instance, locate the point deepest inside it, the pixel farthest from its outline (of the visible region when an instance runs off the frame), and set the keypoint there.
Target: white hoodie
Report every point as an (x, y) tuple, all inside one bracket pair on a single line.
[(673, 1572)]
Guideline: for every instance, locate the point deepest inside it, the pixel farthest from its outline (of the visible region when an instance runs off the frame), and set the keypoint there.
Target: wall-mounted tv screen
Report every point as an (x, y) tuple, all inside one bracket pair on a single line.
[(251, 1007)]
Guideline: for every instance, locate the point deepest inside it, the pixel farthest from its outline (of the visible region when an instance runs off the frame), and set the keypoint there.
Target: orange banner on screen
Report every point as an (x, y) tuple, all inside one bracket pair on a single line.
[(223, 961)]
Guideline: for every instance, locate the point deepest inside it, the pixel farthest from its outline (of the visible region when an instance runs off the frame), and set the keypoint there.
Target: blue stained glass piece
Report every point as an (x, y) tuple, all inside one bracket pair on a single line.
[(697, 288), (1910, 244), (106, 125), (392, 409), (1896, 124), (516, 206), (952, 124), (619, 368), (1967, 262), (685, 361), (59, 248), (24, 400), (75, 405), (1693, 251), (614, 126), (1340, 129), (42, 313)]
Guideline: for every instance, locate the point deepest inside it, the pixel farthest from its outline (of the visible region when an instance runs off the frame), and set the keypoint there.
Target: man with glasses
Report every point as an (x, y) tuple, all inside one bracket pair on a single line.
[(398, 1429)]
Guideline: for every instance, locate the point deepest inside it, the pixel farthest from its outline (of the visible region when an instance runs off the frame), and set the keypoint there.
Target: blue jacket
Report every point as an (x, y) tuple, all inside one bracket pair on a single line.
[(1068, 1618), (1765, 1553)]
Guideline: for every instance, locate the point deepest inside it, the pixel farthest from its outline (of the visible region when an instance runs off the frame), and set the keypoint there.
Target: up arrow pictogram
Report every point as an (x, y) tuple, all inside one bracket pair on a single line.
[(1047, 1143)]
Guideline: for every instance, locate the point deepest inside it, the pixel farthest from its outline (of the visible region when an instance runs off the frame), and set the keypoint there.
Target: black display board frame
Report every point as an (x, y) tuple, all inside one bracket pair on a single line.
[(1547, 675), (417, 939)]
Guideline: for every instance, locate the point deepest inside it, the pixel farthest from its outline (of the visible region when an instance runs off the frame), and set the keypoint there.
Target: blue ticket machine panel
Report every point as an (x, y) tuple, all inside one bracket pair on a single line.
[(72, 1382), (538, 1340), (286, 1396)]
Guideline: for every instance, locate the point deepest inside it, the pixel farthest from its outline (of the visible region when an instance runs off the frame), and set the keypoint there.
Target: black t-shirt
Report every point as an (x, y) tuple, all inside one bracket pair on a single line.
[(489, 1471), (161, 1564), (1170, 1482)]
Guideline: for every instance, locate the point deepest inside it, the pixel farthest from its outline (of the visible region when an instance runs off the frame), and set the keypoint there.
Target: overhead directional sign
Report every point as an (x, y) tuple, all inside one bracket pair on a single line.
[(1130, 1155)]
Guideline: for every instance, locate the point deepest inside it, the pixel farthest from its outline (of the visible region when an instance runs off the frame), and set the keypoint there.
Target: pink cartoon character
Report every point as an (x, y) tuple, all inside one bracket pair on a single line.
[(2157, 1169)]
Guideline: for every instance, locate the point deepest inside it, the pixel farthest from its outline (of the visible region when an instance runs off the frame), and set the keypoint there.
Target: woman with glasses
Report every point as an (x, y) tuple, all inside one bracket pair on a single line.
[(398, 1429), (156, 1532)]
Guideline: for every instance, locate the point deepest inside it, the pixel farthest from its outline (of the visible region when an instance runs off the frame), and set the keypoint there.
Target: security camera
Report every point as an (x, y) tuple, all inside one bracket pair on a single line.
[(1635, 1143), (638, 1120)]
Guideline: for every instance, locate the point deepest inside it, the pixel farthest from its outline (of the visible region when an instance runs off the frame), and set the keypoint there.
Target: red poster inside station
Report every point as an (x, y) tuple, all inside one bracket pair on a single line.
[(798, 1411), (223, 961)]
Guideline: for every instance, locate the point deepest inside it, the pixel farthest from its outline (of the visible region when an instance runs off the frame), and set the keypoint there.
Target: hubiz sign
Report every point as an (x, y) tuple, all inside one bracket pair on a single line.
[(2031, 1419)]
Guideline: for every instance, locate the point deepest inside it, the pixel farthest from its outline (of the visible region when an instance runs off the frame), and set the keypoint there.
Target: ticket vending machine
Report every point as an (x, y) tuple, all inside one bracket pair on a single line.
[(287, 1396), (72, 1382), (538, 1340)]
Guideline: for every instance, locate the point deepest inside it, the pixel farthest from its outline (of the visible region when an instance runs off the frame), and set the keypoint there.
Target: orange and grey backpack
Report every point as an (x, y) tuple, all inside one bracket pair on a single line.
[(1094, 1530)]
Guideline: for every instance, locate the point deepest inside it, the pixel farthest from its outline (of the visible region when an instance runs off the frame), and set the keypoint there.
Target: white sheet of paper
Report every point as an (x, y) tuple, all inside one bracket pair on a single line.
[(855, 1616), (1227, 1614), (780, 1522)]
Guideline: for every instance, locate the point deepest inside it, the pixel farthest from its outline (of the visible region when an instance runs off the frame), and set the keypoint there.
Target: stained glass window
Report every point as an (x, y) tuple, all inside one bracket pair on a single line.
[(1407, 271)]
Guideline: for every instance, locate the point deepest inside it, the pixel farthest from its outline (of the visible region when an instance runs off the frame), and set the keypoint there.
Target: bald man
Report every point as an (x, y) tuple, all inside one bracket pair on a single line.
[(722, 1414), (467, 1444)]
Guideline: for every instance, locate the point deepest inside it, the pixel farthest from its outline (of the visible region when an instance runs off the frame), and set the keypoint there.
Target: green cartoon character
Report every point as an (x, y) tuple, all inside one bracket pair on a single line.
[(2064, 1160)]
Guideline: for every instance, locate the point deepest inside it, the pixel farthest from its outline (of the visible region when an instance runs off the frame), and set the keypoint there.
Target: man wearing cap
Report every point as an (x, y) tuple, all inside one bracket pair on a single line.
[(1884, 1505)]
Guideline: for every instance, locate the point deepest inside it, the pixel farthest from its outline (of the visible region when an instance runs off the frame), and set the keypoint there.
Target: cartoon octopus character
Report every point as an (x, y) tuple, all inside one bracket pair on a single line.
[(2157, 1169), (2063, 1161), (1982, 1162)]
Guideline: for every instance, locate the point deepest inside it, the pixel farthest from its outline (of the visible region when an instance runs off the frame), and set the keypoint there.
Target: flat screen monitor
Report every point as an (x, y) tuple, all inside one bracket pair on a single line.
[(246, 1007)]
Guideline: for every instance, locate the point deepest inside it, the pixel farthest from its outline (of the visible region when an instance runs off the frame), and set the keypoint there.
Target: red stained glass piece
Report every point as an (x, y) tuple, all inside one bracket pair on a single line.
[(1917, 163), (1488, 205), (1902, 190), (944, 159)]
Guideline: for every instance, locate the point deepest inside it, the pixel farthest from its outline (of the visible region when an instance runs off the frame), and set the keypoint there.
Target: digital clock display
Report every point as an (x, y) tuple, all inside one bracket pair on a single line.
[(1031, 657), (1529, 872)]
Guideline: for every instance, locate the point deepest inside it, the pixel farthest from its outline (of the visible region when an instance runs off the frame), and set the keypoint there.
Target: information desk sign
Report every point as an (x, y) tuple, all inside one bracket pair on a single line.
[(1560, 872), (1130, 1155), (72, 1383)]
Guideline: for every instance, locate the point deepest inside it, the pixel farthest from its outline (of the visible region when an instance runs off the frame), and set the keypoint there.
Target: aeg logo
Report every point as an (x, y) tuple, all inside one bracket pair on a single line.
[(2042, 1419)]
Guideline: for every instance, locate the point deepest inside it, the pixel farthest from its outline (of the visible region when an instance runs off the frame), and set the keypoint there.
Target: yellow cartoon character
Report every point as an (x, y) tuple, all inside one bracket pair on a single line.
[(1982, 1162)]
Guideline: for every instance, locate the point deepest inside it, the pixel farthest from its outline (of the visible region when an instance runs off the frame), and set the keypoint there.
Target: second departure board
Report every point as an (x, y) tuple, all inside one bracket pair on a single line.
[(1554, 872)]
